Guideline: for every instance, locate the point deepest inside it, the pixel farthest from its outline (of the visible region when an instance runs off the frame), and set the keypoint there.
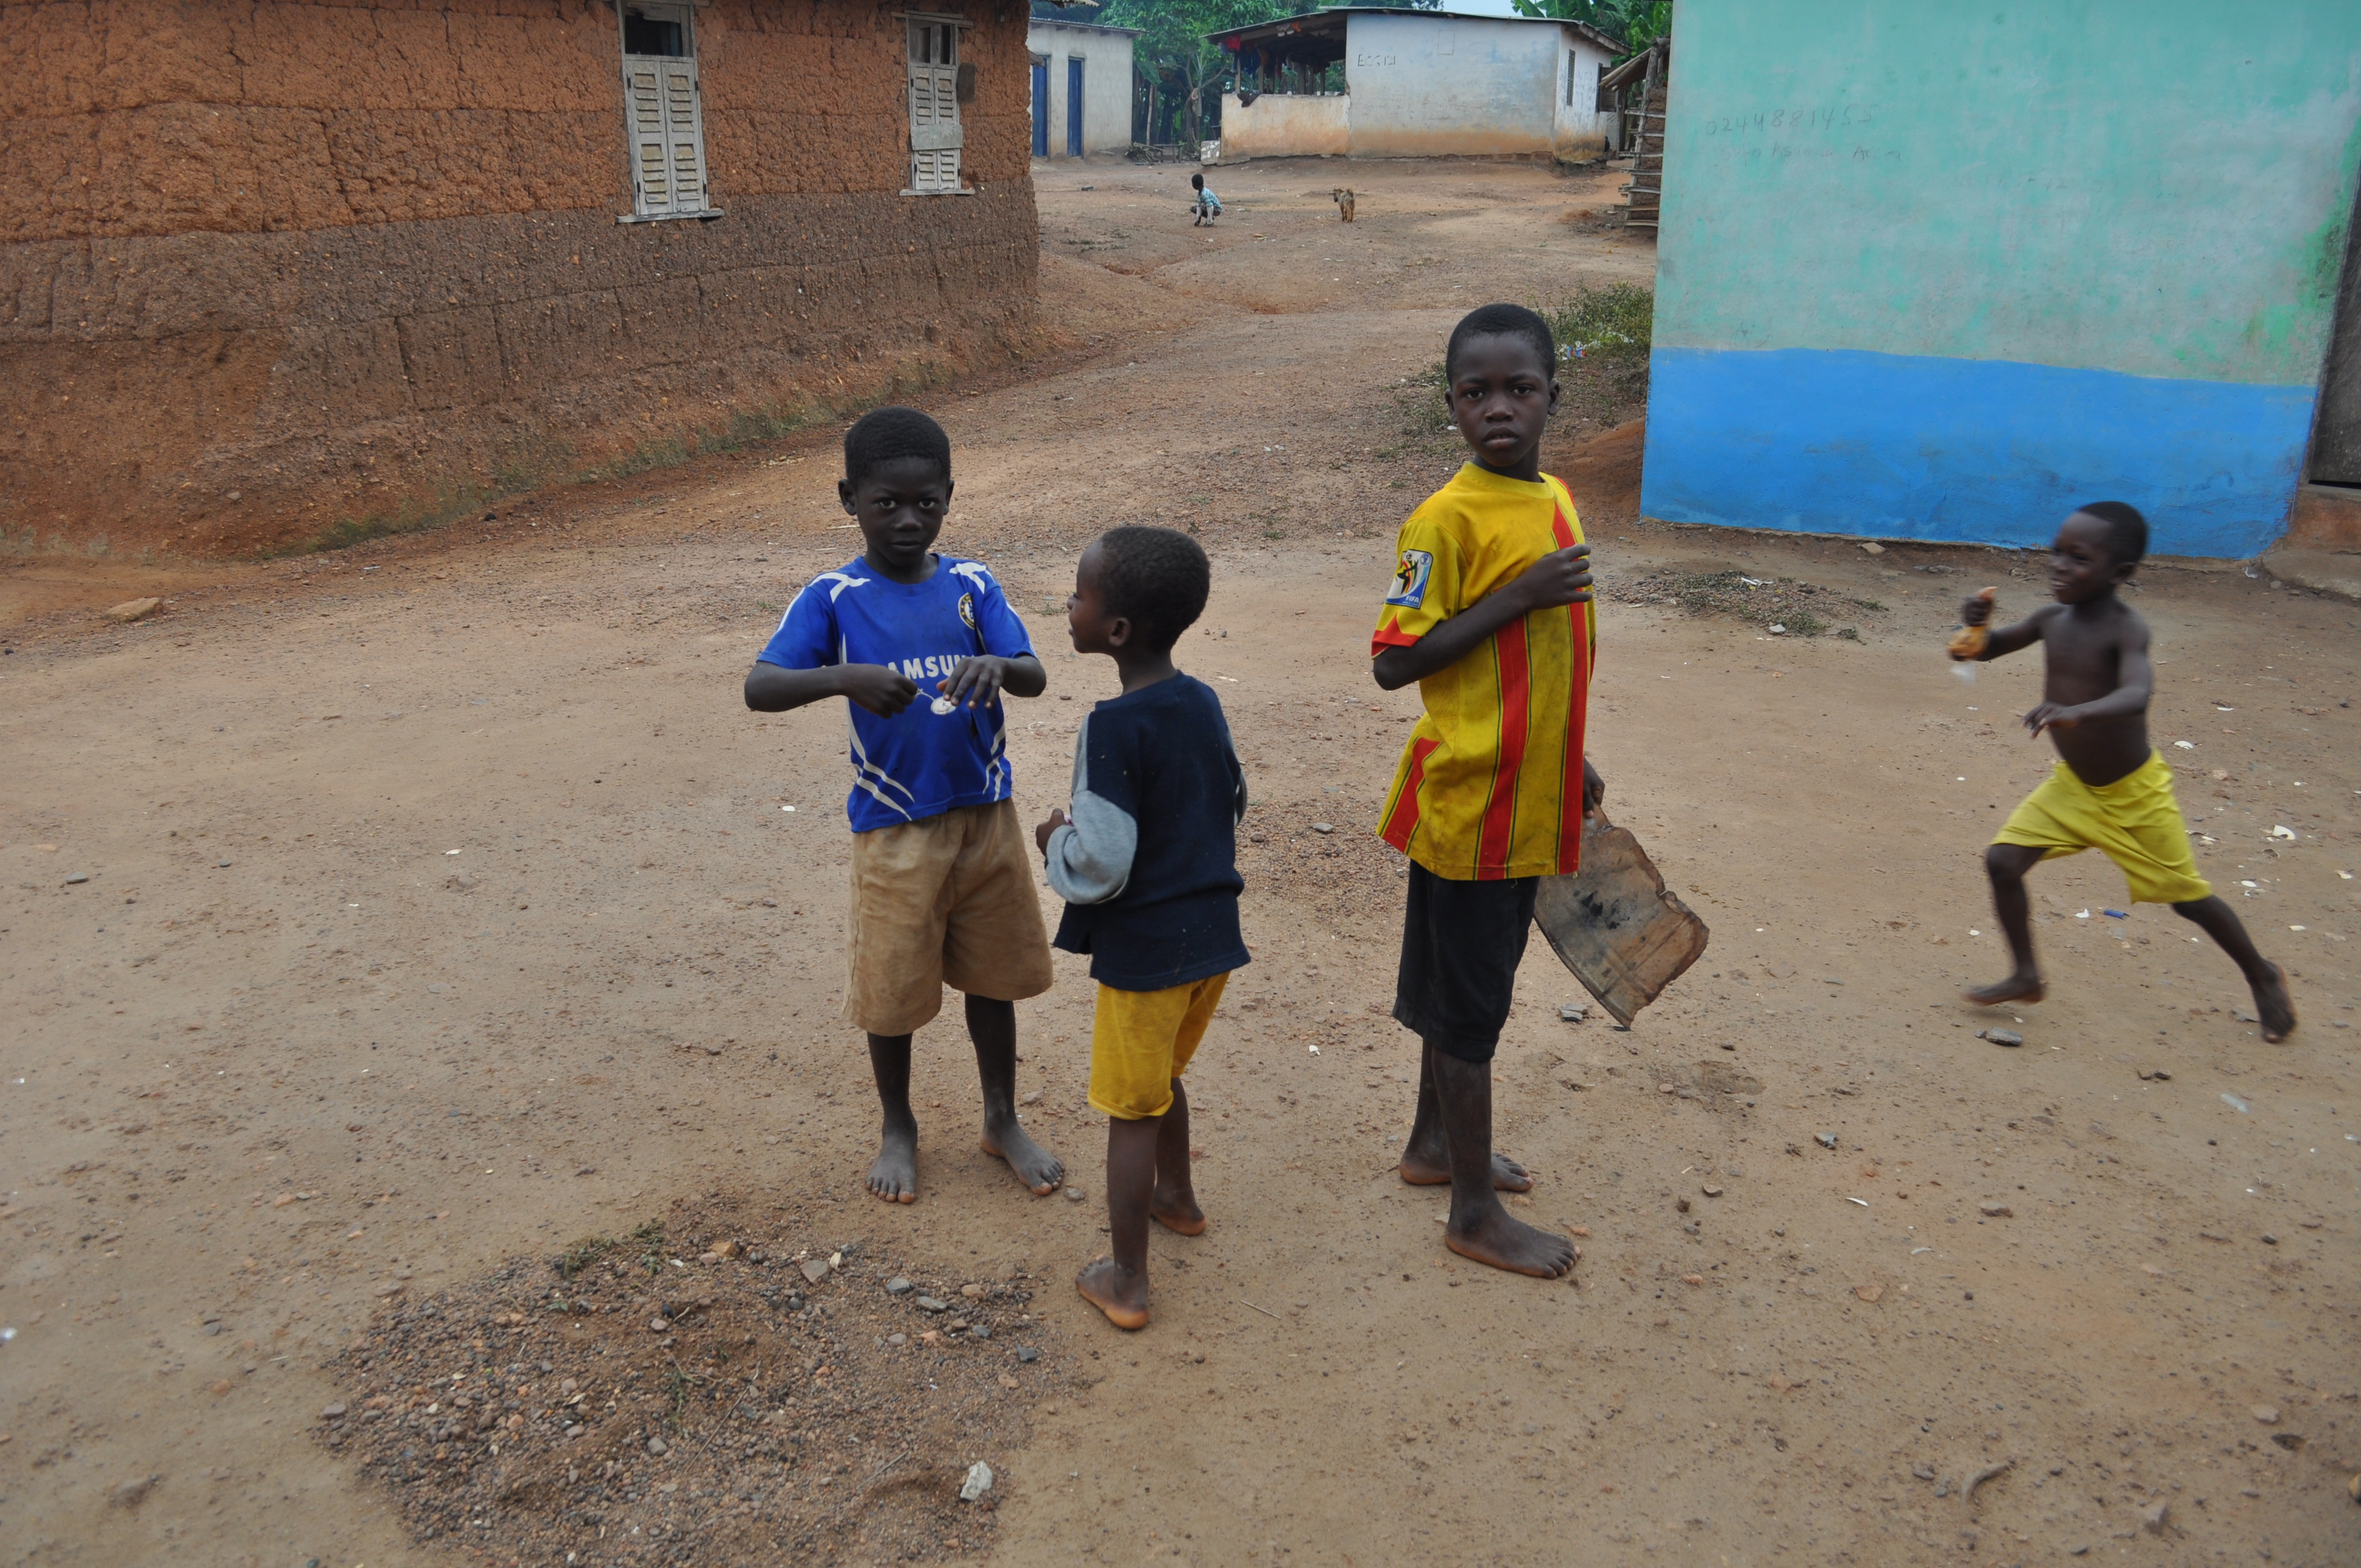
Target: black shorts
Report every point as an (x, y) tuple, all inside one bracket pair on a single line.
[(1461, 943)]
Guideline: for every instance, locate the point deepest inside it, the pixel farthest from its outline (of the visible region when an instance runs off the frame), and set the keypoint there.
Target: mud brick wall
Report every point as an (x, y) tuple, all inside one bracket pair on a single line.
[(272, 267)]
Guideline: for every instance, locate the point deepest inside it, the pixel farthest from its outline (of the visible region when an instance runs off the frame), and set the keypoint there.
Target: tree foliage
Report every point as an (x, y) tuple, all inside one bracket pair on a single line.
[(1637, 23)]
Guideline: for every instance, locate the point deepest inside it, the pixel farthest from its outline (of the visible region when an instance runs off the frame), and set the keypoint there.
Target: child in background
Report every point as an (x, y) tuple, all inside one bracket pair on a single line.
[(941, 892), (2111, 790), (1147, 860), (1207, 207), (1490, 614)]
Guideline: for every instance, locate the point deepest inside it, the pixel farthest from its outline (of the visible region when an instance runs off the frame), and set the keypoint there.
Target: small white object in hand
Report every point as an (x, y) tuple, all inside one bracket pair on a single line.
[(945, 705)]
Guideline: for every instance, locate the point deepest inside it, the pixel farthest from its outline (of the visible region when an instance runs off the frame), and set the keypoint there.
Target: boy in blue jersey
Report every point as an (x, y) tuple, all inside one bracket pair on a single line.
[(921, 646), (1147, 860)]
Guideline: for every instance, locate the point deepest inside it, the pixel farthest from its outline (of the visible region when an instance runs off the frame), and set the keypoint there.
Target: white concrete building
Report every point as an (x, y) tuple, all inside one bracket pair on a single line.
[(1081, 87), (1416, 84)]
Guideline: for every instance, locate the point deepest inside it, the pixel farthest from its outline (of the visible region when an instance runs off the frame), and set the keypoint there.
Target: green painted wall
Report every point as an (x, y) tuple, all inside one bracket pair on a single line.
[(2156, 187)]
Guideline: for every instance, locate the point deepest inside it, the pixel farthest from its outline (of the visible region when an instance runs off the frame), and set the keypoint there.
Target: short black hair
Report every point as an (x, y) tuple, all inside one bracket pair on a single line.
[(1502, 321), (1157, 578), (2127, 530), (1197, 181), (886, 435)]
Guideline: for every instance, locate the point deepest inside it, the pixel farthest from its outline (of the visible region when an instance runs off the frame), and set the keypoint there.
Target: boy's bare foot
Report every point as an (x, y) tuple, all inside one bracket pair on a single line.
[(2274, 1007), (1122, 1297), (1513, 1244), (1036, 1166), (1423, 1170), (894, 1176), (1177, 1211), (2016, 988)]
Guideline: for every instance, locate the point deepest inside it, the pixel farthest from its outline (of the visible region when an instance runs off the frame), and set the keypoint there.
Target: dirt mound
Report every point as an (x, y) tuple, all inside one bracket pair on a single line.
[(720, 1385), (1602, 472), (1093, 307)]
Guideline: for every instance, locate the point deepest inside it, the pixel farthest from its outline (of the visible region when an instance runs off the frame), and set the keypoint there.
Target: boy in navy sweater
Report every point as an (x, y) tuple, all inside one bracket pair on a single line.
[(1147, 862)]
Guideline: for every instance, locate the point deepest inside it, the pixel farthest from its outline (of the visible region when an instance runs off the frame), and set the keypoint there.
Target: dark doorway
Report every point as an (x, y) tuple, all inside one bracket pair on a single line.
[(2336, 431), (1073, 108)]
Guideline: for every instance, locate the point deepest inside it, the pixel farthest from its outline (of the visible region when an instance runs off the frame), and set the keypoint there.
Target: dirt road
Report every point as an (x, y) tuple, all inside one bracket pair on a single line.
[(391, 858)]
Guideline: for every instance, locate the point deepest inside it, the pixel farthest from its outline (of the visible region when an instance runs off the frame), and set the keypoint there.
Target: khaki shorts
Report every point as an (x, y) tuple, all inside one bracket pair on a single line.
[(948, 900), (1142, 1040)]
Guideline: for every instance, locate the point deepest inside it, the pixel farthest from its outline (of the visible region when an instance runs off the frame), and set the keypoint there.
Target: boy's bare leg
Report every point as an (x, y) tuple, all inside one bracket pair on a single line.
[(1117, 1285), (2263, 977), (992, 1027), (2006, 864), (1479, 1228), (894, 1176), (1175, 1201), (1426, 1160)]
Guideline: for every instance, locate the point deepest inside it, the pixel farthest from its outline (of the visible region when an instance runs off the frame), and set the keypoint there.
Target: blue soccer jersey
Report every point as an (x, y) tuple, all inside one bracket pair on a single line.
[(919, 763)]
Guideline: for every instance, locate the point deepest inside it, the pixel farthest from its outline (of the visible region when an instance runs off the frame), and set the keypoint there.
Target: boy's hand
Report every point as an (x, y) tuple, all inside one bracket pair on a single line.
[(1562, 577), (2051, 715), (1056, 819), (1594, 789), (880, 689), (976, 680)]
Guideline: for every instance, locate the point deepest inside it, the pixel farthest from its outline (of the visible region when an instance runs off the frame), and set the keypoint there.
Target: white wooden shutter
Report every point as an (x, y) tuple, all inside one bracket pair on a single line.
[(667, 127), (937, 137)]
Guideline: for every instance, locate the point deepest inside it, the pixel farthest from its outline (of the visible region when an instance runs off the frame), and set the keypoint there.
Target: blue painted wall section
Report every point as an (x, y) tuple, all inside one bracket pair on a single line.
[(1943, 272)]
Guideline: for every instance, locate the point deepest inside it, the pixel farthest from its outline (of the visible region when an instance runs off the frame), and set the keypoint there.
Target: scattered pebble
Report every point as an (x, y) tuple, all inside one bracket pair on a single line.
[(1869, 1293), (1573, 1013), (933, 1304), (815, 1270), (1713, 1192), (131, 1493), (2154, 1075), (898, 1285), (1995, 1210), (134, 609), (1323, 828), (2267, 1414), (659, 1325), (978, 1482), (1826, 1140), (2001, 1037), (1028, 1355), (2152, 1518), (658, 1446), (1075, 1195), (331, 1412)]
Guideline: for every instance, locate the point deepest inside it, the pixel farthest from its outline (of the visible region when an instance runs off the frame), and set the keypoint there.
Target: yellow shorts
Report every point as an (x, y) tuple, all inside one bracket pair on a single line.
[(2133, 821), (1142, 1040), (948, 900)]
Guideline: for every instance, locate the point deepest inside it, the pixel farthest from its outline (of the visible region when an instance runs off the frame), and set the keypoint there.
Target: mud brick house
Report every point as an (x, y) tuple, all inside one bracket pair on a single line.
[(275, 268)]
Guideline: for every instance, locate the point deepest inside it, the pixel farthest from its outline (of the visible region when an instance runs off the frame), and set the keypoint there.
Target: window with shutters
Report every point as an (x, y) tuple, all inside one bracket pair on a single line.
[(936, 136), (663, 115)]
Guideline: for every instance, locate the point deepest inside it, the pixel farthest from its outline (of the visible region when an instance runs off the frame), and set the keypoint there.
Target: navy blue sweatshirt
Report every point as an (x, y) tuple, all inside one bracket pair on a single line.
[(1149, 866)]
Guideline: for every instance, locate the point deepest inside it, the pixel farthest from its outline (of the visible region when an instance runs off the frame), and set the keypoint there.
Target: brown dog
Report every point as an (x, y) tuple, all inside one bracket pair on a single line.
[(1343, 200)]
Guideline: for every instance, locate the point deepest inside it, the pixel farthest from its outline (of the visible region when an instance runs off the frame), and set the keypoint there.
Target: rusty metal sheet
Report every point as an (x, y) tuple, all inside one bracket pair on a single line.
[(1615, 924)]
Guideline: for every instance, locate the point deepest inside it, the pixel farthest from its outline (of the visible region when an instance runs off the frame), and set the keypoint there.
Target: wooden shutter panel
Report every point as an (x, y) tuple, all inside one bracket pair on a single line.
[(684, 132), (937, 136), (643, 93), (667, 131)]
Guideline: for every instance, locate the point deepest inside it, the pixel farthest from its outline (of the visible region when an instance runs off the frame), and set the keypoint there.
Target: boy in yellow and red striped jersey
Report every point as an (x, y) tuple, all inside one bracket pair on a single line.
[(1491, 613)]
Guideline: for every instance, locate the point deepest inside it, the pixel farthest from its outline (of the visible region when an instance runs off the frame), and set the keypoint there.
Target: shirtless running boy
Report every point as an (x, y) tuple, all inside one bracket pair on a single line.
[(2112, 791)]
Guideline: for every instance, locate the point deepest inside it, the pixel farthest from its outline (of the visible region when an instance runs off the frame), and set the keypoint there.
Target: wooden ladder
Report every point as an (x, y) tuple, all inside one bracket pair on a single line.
[(1643, 198)]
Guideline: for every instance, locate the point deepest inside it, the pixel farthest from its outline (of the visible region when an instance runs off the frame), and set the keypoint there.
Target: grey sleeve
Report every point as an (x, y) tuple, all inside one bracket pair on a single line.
[(1089, 858)]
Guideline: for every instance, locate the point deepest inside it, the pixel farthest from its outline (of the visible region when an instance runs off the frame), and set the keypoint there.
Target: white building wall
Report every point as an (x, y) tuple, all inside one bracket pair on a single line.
[(1432, 87), (1581, 130), (1105, 54)]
